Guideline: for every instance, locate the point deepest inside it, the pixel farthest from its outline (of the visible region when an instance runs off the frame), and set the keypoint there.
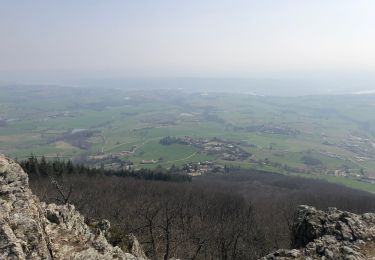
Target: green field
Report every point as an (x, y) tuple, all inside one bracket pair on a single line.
[(318, 136)]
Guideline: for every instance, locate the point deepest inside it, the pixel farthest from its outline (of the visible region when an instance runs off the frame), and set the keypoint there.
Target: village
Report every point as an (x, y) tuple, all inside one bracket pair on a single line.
[(225, 150), (201, 168), (114, 160), (363, 147)]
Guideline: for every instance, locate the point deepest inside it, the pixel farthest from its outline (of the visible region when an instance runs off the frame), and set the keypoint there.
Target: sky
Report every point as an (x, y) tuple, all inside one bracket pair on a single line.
[(172, 38)]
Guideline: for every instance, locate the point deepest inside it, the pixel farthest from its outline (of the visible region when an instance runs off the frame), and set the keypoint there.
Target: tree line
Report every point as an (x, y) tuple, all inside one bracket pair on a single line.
[(43, 168), (242, 214)]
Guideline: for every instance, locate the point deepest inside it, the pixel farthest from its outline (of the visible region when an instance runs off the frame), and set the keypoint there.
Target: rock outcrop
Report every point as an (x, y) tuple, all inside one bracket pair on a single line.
[(30, 229), (334, 234)]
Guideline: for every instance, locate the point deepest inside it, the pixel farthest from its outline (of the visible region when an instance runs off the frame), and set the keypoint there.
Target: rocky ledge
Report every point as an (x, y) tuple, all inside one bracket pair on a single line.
[(334, 234), (30, 229)]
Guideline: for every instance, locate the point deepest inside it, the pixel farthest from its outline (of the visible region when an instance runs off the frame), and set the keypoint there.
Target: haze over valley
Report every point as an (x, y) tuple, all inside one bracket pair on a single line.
[(187, 129)]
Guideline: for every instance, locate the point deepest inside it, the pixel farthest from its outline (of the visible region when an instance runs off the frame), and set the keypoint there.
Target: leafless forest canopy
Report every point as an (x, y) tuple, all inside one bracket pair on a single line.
[(241, 215)]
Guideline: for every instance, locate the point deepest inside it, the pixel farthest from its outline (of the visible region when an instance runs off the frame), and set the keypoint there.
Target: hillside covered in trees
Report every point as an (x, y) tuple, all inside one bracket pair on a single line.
[(242, 214), (59, 168)]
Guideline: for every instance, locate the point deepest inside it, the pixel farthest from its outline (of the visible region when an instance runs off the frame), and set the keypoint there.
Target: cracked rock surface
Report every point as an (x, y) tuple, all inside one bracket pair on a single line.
[(30, 229), (334, 234)]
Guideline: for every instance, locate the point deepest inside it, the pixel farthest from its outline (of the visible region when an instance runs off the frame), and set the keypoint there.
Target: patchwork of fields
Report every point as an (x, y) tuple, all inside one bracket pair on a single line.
[(330, 137)]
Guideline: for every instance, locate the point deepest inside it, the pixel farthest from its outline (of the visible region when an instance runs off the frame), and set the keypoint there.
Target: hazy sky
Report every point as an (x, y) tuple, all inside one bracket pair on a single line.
[(193, 37)]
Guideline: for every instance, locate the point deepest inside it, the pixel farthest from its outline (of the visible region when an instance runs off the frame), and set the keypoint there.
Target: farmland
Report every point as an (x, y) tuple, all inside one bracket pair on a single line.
[(329, 137)]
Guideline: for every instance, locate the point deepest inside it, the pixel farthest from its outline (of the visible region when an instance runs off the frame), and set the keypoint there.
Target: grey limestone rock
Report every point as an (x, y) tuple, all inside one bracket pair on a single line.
[(334, 234), (30, 229)]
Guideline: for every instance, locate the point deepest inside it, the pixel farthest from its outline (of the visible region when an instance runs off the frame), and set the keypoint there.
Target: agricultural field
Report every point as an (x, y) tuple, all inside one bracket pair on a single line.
[(329, 137)]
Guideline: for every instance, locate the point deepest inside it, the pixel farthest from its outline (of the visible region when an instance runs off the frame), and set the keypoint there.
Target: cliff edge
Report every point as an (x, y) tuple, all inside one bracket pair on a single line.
[(334, 234), (30, 229)]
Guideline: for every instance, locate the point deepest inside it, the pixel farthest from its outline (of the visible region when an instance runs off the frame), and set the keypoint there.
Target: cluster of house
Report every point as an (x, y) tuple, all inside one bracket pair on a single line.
[(270, 129), (227, 150), (148, 161), (201, 168), (105, 156), (364, 148), (114, 160)]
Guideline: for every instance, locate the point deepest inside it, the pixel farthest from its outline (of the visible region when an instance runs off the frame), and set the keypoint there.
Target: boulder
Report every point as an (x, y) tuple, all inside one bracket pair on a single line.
[(30, 229), (334, 234)]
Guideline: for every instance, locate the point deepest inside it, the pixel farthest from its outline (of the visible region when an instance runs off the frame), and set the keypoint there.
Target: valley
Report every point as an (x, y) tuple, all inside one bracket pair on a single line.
[(325, 137)]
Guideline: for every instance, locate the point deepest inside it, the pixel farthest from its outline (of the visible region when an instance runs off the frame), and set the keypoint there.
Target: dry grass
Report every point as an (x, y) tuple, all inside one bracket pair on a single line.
[(368, 250)]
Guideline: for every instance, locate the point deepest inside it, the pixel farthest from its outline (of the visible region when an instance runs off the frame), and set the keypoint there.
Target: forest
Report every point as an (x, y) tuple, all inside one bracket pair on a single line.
[(242, 214), (196, 127)]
